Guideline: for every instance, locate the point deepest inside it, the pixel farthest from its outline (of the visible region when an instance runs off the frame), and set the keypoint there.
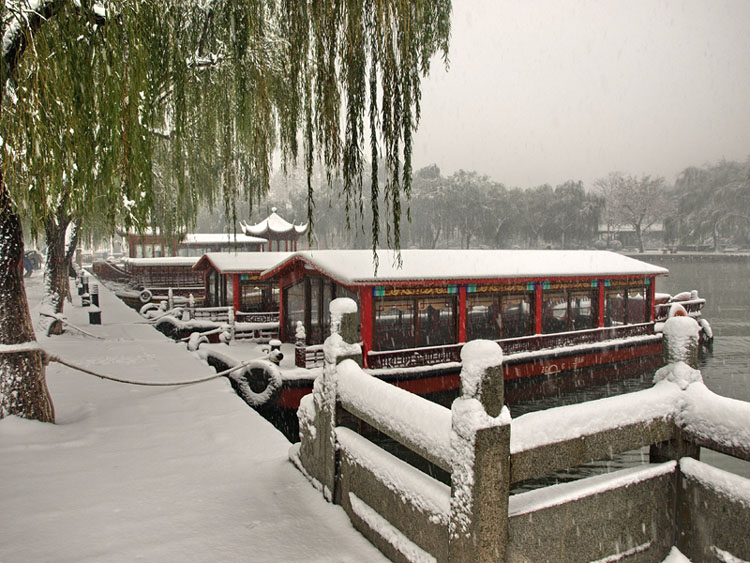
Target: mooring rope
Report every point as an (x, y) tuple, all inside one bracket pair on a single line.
[(52, 358), (48, 358)]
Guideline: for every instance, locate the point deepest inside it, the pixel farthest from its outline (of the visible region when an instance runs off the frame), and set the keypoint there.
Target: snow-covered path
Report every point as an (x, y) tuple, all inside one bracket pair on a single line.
[(154, 473)]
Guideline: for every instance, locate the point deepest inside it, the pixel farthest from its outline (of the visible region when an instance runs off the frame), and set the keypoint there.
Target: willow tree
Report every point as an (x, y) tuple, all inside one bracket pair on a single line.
[(173, 104)]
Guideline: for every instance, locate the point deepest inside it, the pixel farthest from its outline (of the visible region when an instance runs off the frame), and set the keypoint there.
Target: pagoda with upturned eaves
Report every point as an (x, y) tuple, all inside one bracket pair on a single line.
[(282, 236)]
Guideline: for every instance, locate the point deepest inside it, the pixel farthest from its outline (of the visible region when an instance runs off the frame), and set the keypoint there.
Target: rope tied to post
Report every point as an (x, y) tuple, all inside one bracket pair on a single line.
[(47, 358)]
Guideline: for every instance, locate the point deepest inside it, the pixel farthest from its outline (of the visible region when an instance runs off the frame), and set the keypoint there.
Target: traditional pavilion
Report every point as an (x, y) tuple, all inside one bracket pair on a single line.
[(282, 235)]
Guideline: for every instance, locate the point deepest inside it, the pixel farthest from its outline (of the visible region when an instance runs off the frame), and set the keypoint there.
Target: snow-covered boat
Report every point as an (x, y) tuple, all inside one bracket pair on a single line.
[(551, 311), (146, 280)]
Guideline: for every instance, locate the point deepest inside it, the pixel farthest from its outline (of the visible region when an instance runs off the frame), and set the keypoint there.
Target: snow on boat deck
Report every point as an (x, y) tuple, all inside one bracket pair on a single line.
[(154, 473)]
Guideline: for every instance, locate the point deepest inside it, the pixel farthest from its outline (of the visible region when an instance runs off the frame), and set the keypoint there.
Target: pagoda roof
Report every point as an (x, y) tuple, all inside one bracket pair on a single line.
[(355, 267), (273, 224)]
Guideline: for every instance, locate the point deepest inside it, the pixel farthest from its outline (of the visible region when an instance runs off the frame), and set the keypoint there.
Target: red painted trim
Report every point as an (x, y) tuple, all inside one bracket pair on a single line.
[(462, 313), (538, 309), (291, 396), (600, 308), (550, 366), (365, 320), (236, 292), (427, 385)]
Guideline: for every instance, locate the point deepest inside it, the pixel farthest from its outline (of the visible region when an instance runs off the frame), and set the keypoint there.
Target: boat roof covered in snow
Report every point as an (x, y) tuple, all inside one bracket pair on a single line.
[(220, 238), (162, 261), (356, 267), (240, 262)]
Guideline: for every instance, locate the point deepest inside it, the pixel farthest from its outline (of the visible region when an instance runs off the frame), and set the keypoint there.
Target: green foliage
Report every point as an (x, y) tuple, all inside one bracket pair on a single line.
[(161, 106)]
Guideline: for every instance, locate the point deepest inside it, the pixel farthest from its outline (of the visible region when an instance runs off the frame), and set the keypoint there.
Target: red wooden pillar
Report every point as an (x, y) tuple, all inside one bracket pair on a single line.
[(365, 320), (236, 292), (538, 308), (651, 299), (600, 308), (462, 313), (282, 335)]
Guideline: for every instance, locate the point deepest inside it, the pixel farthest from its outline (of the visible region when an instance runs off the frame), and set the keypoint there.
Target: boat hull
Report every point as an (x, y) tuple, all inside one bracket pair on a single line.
[(521, 369)]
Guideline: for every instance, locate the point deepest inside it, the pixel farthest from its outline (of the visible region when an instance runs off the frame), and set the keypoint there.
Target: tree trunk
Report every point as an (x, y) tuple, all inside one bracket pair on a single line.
[(55, 275), (70, 252), (23, 388), (639, 237)]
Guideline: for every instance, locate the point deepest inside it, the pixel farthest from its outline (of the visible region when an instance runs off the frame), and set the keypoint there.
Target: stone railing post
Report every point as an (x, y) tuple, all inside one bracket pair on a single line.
[(480, 440), (680, 350), (681, 341), (317, 451)]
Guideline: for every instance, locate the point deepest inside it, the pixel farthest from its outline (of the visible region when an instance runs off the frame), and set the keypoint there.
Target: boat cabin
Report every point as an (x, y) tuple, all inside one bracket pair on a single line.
[(174, 272), (418, 312), (233, 279)]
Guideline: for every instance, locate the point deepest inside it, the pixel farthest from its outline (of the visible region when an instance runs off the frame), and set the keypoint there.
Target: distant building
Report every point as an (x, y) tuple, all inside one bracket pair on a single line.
[(272, 234), (653, 237)]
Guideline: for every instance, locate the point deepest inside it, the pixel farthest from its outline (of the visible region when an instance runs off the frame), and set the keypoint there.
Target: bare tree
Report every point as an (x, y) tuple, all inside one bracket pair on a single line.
[(637, 202)]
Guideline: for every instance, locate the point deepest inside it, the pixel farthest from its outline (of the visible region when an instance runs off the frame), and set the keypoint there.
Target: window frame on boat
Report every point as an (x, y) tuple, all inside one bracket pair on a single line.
[(316, 321), (496, 319), (409, 333), (632, 310)]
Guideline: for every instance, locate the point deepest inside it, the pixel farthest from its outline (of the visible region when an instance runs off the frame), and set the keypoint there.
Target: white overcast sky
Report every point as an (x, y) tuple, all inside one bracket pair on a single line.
[(547, 91)]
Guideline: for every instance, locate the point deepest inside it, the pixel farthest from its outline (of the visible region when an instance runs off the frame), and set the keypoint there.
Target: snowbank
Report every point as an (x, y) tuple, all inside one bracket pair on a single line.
[(156, 474)]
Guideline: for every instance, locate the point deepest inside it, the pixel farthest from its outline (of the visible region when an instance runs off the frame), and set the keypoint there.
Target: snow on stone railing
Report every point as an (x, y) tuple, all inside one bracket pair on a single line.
[(483, 451), (422, 426)]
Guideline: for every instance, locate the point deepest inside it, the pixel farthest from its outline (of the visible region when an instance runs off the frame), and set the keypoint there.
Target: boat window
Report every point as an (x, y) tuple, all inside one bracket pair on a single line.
[(148, 251), (482, 319), (139, 251), (157, 251), (555, 317), (436, 321), (315, 332), (212, 297), (516, 315), (394, 324), (582, 310), (636, 311), (228, 289), (294, 309), (614, 307), (257, 297)]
